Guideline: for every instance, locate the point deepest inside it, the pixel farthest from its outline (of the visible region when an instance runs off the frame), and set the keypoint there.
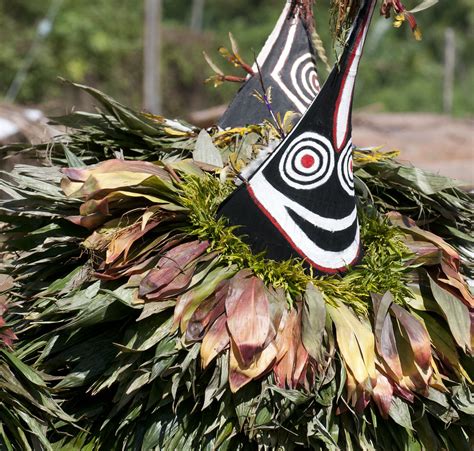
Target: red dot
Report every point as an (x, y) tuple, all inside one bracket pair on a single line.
[(350, 166), (307, 161)]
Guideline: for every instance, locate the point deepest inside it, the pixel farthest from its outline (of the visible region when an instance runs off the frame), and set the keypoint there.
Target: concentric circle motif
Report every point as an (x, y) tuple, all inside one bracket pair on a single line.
[(345, 172), (304, 78), (308, 161)]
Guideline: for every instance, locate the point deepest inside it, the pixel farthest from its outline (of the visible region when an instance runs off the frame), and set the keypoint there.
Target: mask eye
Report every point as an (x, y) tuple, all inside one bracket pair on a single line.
[(304, 78), (345, 172), (308, 162)]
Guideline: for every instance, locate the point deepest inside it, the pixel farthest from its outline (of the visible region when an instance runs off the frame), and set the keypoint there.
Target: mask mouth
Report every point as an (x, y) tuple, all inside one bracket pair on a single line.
[(329, 253), (334, 241), (327, 242), (275, 203)]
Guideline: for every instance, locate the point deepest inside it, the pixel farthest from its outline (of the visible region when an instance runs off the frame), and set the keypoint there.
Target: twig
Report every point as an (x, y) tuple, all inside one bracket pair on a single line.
[(247, 68)]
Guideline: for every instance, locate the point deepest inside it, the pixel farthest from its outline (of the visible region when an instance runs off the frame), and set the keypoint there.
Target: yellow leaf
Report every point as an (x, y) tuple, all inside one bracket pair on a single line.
[(174, 132), (70, 187), (148, 215), (288, 120), (356, 343), (240, 375), (215, 341), (211, 63), (417, 33)]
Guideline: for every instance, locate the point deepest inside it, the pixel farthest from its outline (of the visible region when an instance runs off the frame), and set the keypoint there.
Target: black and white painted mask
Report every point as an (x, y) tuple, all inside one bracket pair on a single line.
[(288, 65), (301, 201)]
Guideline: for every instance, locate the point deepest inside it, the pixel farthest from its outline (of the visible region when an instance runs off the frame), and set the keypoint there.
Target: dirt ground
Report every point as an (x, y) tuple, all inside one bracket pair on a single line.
[(433, 142)]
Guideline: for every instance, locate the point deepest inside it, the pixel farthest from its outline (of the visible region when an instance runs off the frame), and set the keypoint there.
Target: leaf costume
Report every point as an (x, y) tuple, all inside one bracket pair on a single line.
[(139, 318)]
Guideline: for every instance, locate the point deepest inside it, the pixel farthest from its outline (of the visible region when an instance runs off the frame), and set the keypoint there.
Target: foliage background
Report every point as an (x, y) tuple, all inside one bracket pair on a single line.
[(100, 44)]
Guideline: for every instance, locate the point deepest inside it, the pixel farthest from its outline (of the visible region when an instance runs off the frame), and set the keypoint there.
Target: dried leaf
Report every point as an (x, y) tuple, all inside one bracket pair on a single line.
[(189, 301), (285, 355), (124, 240), (356, 343), (215, 341), (292, 357), (241, 374), (418, 338), (382, 394), (248, 317), (171, 265), (206, 313)]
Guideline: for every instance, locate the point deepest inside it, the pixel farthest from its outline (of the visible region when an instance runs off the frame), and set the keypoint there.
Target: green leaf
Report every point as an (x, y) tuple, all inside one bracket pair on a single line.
[(456, 314), (151, 331), (218, 382), (72, 160), (36, 428), (295, 396), (400, 413), (316, 428), (23, 369), (313, 322), (424, 181), (463, 399), (438, 405), (206, 152), (224, 434), (135, 122)]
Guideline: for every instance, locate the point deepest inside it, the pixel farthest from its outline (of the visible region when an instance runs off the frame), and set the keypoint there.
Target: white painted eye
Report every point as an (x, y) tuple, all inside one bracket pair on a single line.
[(308, 162), (304, 78), (344, 169)]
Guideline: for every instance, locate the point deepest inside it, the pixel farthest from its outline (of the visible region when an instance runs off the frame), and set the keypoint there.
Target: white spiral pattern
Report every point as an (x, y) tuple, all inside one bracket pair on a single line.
[(345, 171), (304, 78), (308, 162)]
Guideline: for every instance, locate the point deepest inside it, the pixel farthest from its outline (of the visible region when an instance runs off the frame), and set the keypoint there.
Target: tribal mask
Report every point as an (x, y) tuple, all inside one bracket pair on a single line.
[(301, 201), (287, 65)]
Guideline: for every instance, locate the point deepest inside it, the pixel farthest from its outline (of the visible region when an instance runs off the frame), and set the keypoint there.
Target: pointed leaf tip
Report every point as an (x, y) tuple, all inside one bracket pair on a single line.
[(248, 315)]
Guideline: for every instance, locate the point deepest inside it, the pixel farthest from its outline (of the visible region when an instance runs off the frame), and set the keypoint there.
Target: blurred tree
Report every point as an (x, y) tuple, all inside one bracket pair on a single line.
[(197, 15), (100, 43)]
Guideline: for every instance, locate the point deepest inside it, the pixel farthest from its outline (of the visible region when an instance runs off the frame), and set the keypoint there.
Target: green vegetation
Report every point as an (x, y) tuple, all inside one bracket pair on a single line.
[(142, 324), (100, 43)]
